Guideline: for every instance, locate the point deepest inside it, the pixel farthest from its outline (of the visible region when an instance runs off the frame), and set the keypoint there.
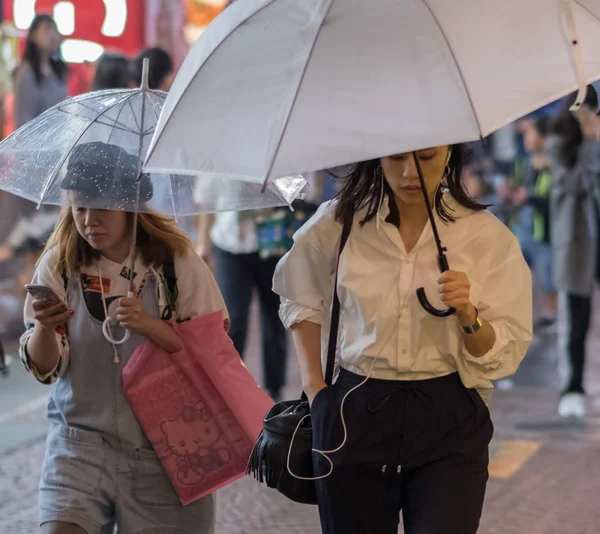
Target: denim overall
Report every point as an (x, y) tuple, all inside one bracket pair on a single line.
[(100, 468)]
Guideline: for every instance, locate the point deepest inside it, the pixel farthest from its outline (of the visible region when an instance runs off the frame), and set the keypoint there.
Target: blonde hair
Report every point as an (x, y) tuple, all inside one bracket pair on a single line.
[(158, 240)]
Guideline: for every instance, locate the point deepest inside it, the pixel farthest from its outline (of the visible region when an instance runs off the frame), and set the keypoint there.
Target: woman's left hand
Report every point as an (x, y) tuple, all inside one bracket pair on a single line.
[(131, 315), (454, 288)]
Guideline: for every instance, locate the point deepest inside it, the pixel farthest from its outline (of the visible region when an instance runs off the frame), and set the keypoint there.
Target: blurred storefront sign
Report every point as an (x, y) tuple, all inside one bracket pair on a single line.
[(88, 26), (199, 14), (91, 27)]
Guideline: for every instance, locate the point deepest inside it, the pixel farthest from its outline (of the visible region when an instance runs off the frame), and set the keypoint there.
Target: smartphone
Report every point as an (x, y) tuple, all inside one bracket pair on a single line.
[(46, 293)]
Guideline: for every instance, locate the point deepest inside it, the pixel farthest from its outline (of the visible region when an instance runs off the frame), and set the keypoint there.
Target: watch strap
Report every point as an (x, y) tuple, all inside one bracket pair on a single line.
[(475, 326)]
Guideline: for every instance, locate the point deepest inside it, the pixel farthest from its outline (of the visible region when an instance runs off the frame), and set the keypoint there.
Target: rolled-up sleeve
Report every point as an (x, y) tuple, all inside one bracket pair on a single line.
[(304, 276), (506, 303), (45, 275), (62, 363)]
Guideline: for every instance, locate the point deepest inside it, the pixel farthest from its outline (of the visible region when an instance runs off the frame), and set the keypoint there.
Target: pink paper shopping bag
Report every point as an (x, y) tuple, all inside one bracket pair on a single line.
[(201, 408)]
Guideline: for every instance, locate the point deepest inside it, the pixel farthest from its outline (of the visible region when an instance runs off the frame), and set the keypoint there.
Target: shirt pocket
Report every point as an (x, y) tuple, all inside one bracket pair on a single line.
[(151, 485), (75, 459)]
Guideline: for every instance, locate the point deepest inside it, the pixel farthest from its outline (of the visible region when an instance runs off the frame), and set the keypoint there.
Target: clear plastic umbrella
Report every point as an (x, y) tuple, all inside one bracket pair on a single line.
[(65, 148), (34, 159)]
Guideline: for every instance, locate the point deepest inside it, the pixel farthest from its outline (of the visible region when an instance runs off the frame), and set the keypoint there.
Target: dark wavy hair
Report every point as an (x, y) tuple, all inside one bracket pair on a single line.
[(362, 189), (33, 56), (566, 126)]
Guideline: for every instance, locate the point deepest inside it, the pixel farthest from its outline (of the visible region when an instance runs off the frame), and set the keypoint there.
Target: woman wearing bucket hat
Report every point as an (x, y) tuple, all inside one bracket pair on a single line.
[(405, 426), (100, 468)]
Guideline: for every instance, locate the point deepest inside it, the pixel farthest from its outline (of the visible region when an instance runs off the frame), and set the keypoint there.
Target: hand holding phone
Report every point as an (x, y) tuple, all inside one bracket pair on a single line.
[(48, 308), (43, 293)]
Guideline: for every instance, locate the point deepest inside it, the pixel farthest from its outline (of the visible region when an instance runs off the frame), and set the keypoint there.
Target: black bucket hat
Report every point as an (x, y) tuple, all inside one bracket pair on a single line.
[(105, 175)]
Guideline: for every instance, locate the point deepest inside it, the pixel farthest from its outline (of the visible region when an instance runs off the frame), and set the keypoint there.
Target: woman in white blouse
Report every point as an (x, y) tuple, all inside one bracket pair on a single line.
[(409, 403)]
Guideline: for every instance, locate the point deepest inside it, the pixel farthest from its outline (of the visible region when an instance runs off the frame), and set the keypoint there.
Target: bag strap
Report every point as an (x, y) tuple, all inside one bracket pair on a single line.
[(335, 311), (170, 286)]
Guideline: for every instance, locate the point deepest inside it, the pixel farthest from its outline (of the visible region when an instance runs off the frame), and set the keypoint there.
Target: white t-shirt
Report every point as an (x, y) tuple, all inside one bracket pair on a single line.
[(198, 294)]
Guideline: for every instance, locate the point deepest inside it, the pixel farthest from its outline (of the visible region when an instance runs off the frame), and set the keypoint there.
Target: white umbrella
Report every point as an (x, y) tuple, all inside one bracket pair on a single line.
[(277, 87)]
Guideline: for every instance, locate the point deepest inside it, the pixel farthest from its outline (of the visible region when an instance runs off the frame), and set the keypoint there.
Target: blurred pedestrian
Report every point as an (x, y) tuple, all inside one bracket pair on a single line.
[(40, 83), (230, 239), (574, 162), (532, 223), (160, 76), (113, 71), (41, 78)]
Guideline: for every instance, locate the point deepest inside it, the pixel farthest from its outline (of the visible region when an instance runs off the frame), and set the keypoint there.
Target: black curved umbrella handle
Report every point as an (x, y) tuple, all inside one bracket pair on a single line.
[(424, 301), (431, 310), (442, 260)]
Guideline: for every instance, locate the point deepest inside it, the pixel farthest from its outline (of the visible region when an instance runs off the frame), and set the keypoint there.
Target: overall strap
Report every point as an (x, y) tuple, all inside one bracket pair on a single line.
[(171, 291), (335, 311)]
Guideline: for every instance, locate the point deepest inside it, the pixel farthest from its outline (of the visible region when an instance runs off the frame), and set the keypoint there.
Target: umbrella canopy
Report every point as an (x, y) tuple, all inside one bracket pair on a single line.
[(67, 146), (275, 87)]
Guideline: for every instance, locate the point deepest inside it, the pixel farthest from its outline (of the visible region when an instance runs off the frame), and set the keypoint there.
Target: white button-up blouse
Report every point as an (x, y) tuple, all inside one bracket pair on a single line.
[(381, 318)]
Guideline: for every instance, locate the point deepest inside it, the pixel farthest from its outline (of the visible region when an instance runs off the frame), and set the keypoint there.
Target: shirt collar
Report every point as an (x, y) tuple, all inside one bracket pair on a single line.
[(454, 209)]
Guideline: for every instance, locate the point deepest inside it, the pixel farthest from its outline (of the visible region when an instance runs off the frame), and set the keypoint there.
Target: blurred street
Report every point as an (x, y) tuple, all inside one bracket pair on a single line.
[(544, 472)]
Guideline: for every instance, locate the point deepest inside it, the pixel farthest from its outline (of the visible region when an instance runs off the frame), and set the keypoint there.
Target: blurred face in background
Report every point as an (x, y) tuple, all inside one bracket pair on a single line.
[(47, 38), (532, 138)]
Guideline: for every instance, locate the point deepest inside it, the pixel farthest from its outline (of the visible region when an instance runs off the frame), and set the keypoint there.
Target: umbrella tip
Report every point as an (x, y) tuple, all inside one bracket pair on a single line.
[(145, 74)]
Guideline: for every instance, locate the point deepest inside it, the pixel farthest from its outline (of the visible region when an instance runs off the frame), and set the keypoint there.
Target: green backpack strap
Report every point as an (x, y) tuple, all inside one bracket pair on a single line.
[(170, 287)]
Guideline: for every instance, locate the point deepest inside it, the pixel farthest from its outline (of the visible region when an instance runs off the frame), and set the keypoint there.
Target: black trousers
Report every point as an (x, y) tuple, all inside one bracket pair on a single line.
[(574, 315), (238, 275), (416, 447)]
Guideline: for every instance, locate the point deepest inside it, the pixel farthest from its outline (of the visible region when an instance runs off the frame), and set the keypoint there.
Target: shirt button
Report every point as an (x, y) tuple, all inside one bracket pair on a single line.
[(404, 351)]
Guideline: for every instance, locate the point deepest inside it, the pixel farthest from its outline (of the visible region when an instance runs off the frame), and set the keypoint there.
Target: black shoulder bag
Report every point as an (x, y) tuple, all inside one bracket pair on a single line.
[(269, 459)]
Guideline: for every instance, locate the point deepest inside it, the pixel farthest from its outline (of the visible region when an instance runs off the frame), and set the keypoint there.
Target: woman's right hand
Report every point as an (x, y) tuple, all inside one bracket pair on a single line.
[(50, 317), (588, 122)]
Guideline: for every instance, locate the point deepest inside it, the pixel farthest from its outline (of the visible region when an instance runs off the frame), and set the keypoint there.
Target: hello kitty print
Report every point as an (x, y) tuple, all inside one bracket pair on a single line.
[(195, 438)]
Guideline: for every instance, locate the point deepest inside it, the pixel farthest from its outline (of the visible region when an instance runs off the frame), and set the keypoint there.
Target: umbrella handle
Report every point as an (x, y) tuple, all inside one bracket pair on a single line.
[(429, 308), (106, 331), (108, 335), (422, 297), (442, 260)]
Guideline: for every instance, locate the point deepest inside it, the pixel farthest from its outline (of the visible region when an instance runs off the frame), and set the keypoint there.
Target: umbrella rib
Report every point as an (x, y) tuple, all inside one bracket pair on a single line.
[(117, 125), (287, 119), (116, 120), (139, 127), (586, 10), (460, 72), (54, 175), (114, 125), (89, 108), (172, 197)]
